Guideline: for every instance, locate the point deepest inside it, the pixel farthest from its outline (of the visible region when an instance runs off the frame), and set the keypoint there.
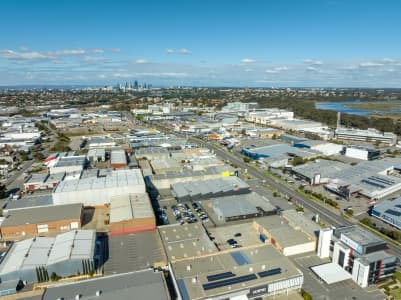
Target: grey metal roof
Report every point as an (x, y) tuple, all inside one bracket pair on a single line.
[(118, 156), (77, 244), (236, 205), (70, 161), (30, 201), (208, 188), (358, 235), (145, 284), (113, 179), (35, 215)]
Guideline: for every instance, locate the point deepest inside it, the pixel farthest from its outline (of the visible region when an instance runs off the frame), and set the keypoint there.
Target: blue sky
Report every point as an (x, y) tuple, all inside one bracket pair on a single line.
[(201, 42)]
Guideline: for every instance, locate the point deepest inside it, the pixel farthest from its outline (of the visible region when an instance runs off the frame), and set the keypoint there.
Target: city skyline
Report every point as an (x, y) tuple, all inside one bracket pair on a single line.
[(327, 43)]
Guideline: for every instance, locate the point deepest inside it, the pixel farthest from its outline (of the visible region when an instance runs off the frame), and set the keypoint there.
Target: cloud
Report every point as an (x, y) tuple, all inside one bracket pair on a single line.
[(389, 60), (91, 59), (142, 61), (36, 55), (368, 64), (97, 51), (248, 60), (66, 52), (277, 69), (115, 50), (178, 51), (313, 62), (14, 55), (248, 70), (311, 69), (163, 74)]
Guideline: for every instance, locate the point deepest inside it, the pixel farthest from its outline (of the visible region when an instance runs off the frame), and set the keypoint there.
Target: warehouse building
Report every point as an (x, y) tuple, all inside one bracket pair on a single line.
[(389, 211), (100, 142), (288, 240), (118, 159), (134, 252), (164, 181), (212, 188), (45, 220), (131, 213), (320, 171), (356, 253), (94, 191), (152, 153), (42, 181), (277, 150), (96, 155), (160, 166), (35, 259), (144, 284), (183, 241), (36, 200), (250, 273), (363, 153), (370, 134), (323, 147), (240, 207), (69, 164)]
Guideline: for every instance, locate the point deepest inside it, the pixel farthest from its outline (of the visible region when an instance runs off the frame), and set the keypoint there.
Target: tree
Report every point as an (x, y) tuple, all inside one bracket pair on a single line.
[(55, 277), (296, 161)]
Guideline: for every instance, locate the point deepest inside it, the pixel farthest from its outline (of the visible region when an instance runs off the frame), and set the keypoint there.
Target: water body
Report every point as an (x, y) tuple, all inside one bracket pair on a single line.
[(342, 106)]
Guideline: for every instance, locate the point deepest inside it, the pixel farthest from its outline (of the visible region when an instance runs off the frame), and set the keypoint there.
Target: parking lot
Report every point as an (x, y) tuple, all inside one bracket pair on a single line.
[(173, 212)]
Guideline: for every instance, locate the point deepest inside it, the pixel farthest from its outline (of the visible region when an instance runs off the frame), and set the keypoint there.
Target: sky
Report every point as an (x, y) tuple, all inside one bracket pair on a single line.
[(254, 43)]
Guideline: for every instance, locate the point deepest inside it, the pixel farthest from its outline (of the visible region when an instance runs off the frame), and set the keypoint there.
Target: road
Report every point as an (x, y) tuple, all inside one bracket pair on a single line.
[(325, 213)]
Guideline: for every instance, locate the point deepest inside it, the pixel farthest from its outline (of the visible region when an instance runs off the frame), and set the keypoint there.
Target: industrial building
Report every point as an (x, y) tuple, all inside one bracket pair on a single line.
[(321, 146), (69, 164), (35, 259), (240, 207), (288, 240), (118, 159), (144, 284), (131, 213), (134, 252), (389, 211), (370, 134), (183, 241), (42, 181), (93, 191), (100, 142), (28, 201), (357, 252), (164, 181), (278, 150), (371, 179), (152, 153), (160, 166), (45, 220), (363, 153), (96, 155), (250, 273), (211, 188)]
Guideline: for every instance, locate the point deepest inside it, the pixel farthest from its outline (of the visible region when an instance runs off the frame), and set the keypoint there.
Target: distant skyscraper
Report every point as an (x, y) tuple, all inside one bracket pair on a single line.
[(136, 84)]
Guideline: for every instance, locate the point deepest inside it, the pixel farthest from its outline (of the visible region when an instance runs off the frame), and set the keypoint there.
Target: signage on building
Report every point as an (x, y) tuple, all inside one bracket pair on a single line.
[(351, 243), (257, 291)]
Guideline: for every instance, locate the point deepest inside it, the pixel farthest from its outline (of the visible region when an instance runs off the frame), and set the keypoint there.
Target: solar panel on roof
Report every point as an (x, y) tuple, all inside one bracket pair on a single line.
[(393, 212), (270, 272), (240, 258), (220, 276), (217, 284)]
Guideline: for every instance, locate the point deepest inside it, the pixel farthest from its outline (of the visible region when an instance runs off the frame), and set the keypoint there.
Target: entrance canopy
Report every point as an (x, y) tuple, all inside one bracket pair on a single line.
[(331, 273)]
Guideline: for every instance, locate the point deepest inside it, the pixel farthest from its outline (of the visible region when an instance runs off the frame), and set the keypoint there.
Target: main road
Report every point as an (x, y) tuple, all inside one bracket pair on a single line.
[(325, 213)]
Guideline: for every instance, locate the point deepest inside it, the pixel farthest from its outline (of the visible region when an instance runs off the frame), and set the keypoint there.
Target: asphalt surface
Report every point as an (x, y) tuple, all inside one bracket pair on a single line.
[(325, 213)]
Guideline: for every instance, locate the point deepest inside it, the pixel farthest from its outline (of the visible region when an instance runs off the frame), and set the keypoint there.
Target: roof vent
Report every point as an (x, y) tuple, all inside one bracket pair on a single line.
[(189, 267), (98, 293), (77, 296), (250, 269), (194, 280)]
